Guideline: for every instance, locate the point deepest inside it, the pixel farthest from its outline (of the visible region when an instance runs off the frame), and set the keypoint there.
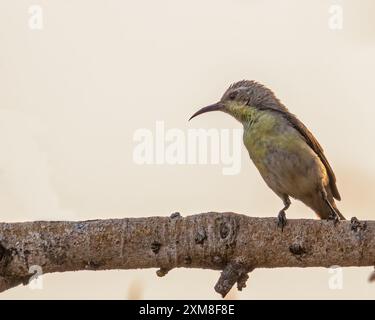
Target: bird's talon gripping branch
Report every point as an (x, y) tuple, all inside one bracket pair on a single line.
[(281, 220)]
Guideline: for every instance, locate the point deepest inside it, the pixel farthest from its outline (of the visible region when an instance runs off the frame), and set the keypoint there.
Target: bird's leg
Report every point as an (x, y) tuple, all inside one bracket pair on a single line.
[(281, 218), (333, 215)]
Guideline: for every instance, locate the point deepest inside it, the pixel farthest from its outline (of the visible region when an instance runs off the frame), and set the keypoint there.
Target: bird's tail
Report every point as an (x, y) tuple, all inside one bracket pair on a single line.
[(325, 207), (331, 204)]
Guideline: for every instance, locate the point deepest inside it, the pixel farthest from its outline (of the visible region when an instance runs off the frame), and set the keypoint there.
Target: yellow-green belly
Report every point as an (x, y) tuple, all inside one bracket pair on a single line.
[(284, 159)]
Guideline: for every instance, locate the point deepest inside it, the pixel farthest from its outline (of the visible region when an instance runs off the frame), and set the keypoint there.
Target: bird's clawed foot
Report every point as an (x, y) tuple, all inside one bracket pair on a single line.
[(281, 220)]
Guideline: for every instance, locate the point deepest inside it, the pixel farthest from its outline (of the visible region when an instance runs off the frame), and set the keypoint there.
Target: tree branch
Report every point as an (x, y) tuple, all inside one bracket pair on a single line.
[(233, 243)]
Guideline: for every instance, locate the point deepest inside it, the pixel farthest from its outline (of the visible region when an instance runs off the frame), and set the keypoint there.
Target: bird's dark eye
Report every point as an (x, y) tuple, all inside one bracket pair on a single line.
[(232, 95)]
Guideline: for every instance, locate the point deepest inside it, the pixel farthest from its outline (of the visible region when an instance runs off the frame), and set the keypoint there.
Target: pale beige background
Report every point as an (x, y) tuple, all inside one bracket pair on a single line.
[(73, 94)]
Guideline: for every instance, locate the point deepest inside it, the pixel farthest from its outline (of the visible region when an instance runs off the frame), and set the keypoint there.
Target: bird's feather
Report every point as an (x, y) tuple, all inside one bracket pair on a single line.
[(314, 145)]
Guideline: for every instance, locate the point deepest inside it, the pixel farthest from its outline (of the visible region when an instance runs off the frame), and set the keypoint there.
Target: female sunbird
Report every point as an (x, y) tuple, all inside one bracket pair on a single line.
[(287, 155)]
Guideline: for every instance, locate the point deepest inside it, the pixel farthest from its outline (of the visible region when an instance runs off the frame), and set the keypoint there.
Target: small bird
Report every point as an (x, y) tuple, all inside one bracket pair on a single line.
[(287, 155)]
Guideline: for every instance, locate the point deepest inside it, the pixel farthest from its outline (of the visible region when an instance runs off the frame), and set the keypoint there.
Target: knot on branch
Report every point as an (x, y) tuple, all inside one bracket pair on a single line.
[(162, 272), (297, 249), (359, 228), (234, 271), (200, 236), (5, 256), (175, 215), (155, 246), (8, 280), (3, 252), (227, 229), (356, 225)]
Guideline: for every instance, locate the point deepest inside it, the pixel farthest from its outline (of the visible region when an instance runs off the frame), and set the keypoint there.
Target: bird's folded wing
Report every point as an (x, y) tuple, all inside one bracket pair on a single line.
[(314, 144)]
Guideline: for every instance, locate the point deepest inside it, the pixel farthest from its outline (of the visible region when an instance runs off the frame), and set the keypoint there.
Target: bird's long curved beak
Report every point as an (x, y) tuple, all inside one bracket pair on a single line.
[(213, 107)]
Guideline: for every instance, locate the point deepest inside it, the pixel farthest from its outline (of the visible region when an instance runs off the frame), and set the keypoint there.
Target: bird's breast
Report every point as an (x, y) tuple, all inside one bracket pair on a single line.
[(272, 147), (282, 156), (267, 135)]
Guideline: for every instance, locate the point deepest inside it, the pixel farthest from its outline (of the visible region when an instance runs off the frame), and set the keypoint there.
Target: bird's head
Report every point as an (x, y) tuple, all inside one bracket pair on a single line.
[(242, 99)]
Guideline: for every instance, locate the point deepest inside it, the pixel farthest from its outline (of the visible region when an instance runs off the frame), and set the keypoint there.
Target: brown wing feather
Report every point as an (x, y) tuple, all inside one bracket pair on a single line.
[(314, 144)]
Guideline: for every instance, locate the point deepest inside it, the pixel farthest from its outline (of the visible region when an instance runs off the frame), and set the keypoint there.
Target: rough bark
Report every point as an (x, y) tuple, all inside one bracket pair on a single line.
[(233, 243)]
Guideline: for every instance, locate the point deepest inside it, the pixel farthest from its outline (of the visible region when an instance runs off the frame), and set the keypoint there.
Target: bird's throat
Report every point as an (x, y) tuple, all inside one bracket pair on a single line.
[(243, 113)]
